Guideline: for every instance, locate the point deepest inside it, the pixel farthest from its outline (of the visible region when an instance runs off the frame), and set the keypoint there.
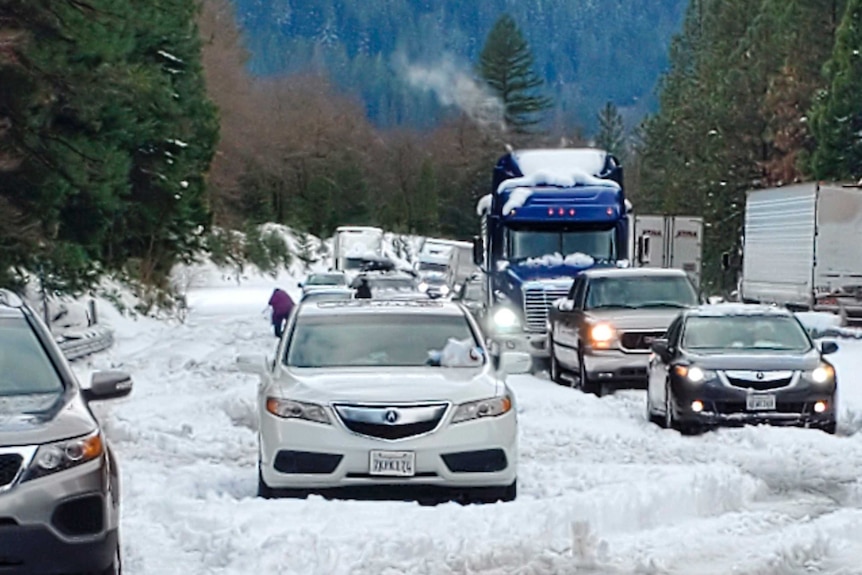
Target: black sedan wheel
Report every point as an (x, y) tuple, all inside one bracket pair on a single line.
[(668, 422)]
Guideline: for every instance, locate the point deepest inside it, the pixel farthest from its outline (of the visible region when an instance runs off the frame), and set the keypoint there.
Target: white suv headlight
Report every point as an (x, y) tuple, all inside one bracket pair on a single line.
[(289, 409), (491, 407)]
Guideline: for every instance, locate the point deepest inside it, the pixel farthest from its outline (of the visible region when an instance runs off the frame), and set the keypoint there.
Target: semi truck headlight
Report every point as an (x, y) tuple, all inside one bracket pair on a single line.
[(423, 287), (504, 318)]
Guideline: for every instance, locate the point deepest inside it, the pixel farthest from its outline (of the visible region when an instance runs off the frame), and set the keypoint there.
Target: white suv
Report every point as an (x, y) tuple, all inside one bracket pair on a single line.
[(387, 399)]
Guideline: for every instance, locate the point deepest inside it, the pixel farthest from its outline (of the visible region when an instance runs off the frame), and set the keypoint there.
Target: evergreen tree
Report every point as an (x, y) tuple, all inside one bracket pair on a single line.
[(837, 115), (507, 66), (612, 131)]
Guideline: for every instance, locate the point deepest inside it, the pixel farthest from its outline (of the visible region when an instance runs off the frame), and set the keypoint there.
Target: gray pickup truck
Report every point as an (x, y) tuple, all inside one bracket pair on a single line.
[(600, 334)]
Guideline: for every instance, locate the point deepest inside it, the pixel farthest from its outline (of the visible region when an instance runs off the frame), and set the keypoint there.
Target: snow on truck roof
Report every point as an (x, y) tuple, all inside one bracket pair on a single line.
[(380, 306)]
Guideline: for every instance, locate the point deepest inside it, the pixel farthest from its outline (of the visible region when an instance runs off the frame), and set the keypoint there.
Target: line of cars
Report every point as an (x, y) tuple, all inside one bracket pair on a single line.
[(702, 365)]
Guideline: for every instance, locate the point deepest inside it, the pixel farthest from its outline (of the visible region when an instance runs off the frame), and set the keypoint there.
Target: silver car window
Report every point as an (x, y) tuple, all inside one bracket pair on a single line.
[(25, 368), (372, 340)]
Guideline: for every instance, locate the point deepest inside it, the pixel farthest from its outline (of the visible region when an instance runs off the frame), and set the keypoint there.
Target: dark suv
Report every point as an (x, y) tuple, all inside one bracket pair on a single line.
[(59, 488)]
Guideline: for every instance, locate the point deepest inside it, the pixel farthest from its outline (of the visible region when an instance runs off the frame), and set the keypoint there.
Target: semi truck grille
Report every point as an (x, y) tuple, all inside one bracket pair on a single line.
[(536, 303), (10, 463)]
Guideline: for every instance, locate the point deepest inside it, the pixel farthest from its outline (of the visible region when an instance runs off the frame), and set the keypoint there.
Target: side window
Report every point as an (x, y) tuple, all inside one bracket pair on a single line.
[(578, 290)]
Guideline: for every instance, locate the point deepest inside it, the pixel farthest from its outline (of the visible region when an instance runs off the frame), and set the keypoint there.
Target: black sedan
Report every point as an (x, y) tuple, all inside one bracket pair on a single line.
[(740, 364)]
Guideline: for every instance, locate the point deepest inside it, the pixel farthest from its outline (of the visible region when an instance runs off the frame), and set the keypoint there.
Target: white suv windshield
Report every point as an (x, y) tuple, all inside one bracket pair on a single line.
[(25, 368), (373, 340)]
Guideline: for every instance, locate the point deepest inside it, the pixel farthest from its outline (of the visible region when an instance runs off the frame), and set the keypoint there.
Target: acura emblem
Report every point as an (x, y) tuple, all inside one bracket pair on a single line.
[(759, 375), (391, 416)]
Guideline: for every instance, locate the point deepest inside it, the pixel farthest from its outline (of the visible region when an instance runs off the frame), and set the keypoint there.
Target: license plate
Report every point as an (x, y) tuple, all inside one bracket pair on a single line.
[(393, 463), (760, 403)]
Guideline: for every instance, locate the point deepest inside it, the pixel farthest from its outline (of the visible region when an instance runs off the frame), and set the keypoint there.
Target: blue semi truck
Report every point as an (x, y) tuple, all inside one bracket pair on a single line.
[(550, 214)]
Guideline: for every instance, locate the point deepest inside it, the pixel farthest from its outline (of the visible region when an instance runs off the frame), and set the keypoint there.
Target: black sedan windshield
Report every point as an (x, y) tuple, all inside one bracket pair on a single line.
[(748, 333), (373, 340), (25, 368)]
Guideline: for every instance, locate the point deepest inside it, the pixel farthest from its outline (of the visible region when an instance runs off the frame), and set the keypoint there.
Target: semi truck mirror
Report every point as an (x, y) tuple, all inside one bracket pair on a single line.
[(478, 255), (644, 255)]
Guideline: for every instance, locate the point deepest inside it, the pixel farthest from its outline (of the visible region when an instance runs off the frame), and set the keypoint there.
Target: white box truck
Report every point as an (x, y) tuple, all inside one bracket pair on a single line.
[(802, 248), (353, 244), (669, 242)]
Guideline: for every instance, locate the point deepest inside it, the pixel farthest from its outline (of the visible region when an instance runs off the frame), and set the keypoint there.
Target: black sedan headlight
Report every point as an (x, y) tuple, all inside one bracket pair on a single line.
[(823, 374), (694, 374)]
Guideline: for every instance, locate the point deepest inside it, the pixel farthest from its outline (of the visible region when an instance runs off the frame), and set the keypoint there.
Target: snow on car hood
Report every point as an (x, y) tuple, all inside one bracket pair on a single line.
[(387, 385), (767, 360)]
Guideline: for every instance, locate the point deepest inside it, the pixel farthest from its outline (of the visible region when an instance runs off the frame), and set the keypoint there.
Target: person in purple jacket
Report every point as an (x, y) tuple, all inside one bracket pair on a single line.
[(281, 304)]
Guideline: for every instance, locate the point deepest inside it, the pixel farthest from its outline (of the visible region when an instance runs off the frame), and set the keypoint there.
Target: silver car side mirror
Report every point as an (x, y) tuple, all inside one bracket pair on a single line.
[(108, 385), (253, 363), (515, 362)]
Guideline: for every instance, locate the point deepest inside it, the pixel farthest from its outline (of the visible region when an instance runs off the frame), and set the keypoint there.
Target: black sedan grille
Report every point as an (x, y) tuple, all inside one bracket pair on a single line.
[(10, 464), (639, 340), (732, 407), (759, 385), (391, 431)]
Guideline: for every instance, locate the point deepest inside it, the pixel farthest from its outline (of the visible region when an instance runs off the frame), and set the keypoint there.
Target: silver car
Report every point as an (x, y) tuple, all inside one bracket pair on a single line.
[(59, 491)]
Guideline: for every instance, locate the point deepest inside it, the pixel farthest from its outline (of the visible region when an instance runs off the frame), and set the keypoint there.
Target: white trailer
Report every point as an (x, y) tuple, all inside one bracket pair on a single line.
[(802, 248), (353, 243), (669, 242)]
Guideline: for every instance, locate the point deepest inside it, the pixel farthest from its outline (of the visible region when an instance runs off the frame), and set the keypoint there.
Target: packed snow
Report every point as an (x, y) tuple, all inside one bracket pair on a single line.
[(600, 489), (589, 160), (549, 179), (556, 259)]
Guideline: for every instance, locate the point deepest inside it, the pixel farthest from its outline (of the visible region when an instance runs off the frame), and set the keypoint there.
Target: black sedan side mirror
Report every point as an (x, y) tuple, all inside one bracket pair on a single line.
[(828, 347), (661, 348)]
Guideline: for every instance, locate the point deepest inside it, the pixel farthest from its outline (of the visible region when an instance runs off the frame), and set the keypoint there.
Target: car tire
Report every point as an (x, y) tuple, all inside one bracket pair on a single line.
[(668, 421), (491, 494), (584, 383), (555, 371), (652, 416), (263, 490), (830, 428)]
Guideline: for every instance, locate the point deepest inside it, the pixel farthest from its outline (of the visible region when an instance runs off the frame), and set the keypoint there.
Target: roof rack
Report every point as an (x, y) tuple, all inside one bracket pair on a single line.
[(10, 299)]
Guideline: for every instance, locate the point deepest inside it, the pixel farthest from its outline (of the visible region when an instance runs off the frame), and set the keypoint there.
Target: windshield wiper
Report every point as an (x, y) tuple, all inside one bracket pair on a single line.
[(672, 304), (613, 305)]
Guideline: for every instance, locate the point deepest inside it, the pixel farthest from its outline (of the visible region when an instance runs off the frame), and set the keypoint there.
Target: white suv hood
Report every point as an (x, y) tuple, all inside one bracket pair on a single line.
[(386, 385)]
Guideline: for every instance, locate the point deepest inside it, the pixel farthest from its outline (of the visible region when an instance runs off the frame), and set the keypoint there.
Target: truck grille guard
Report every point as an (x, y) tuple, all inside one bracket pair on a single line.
[(538, 297)]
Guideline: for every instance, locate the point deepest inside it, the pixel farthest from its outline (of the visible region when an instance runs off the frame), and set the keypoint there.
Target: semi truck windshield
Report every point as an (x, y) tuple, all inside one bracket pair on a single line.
[(521, 244)]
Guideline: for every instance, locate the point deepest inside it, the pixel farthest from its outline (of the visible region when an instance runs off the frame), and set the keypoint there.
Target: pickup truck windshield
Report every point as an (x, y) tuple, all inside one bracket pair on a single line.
[(25, 368), (640, 292), (525, 243), (372, 340)]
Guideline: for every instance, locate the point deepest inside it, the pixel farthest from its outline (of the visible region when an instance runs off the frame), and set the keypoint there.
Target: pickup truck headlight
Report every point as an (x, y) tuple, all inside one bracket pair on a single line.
[(61, 455), (492, 407), (602, 335), (289, 409)]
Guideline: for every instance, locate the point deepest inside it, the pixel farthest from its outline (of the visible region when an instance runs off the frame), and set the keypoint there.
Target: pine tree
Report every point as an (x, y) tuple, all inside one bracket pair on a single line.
[(612, 131), (507, 66), (837, 115)]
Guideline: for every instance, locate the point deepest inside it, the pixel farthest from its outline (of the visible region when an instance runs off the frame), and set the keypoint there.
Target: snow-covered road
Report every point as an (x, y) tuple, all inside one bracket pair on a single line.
[(600, 489)]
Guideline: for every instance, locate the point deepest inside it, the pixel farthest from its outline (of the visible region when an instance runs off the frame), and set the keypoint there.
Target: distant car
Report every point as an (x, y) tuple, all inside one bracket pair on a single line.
[(391, 399), (323, 280), (736, 364), (328, 294), (599, 335), (434, 284), (391, 285), (472, 296), (59, 483)]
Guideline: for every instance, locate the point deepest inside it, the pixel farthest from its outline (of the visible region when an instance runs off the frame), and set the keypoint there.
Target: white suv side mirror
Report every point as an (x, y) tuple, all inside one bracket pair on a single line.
[(515, 362), (254, 364)]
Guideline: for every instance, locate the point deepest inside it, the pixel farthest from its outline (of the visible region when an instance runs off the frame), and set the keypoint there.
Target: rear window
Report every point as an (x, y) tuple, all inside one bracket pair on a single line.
[(25, 368), (394, 340)]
